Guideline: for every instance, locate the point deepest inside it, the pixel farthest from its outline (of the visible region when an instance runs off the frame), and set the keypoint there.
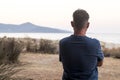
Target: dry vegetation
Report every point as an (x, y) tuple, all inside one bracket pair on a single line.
[(10, 50), (112, 50), (7, 71), (40, 67), (41, 63)]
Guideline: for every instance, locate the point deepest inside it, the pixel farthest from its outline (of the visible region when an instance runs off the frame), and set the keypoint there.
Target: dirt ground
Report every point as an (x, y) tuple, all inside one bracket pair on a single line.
[(47, 67)]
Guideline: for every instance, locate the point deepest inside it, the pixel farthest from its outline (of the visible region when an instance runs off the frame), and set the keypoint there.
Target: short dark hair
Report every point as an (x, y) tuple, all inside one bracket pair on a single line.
[(80, 16)]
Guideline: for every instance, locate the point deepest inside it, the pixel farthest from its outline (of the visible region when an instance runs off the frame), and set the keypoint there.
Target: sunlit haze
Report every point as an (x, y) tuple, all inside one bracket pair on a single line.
[(104, 14)]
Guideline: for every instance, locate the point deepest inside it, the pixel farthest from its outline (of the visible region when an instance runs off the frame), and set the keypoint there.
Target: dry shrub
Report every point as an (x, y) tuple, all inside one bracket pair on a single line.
[(113, 52), (41, 45), (107, 52), (7, 71), (110, 49), (48, 46), (10, 50), (10, 47), (32, 45), (116, 52)]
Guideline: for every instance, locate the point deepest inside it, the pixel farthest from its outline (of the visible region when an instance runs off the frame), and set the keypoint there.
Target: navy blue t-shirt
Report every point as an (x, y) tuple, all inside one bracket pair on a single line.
[(79, 56)]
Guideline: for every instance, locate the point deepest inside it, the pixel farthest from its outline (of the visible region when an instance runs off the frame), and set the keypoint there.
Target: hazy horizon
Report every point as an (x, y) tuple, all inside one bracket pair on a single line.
[(104, 14)]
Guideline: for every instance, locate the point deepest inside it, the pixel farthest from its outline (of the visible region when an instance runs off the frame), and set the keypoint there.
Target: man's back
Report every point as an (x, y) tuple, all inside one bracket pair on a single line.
[(80, 55)]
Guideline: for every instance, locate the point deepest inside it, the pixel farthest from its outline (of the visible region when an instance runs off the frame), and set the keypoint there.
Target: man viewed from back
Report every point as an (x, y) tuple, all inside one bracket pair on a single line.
[(79, 54)]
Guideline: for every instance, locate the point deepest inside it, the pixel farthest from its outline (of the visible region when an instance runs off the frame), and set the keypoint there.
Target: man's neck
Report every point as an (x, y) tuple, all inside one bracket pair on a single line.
[(80, 33)]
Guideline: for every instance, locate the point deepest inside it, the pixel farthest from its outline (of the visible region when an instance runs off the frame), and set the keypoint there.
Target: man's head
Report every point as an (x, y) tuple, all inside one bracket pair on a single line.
[(80, 19)]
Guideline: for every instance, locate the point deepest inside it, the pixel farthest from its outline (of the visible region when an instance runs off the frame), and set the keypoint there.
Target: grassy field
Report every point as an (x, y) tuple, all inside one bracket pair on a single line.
[(47, 67)]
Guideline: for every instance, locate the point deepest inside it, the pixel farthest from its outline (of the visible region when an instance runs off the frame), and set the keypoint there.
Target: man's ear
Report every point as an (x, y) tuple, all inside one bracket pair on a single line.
[(88, 25), (72, 24)]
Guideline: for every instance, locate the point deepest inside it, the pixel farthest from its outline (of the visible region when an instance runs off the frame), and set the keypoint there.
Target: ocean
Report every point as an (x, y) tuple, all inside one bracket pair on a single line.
[(106, 37)]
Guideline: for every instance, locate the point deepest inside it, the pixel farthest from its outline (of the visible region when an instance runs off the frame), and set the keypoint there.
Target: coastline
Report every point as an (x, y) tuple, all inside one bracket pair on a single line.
[(106, 37)]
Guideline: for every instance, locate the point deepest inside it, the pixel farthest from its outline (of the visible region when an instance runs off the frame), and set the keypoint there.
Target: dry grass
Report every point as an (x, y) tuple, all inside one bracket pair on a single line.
[(110, 70), (47, 67), (40, 67), (6, 71)]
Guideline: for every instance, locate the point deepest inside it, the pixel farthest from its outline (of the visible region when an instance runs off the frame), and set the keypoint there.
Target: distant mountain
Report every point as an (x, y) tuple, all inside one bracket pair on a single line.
[(28, 28)]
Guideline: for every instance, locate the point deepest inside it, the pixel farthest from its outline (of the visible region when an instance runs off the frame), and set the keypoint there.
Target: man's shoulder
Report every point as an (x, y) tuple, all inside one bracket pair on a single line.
[(92, 41), (66, 39)]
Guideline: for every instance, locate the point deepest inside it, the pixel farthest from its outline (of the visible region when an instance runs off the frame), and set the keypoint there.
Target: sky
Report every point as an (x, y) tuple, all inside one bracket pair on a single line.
[(104, 14)]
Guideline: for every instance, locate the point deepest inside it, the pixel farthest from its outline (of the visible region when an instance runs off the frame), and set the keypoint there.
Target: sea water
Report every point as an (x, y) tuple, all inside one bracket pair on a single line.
[(106, 37)]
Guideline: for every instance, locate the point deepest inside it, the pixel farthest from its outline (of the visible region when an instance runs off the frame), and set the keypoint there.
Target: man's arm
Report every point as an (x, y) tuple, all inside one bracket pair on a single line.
[(100, 55)]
